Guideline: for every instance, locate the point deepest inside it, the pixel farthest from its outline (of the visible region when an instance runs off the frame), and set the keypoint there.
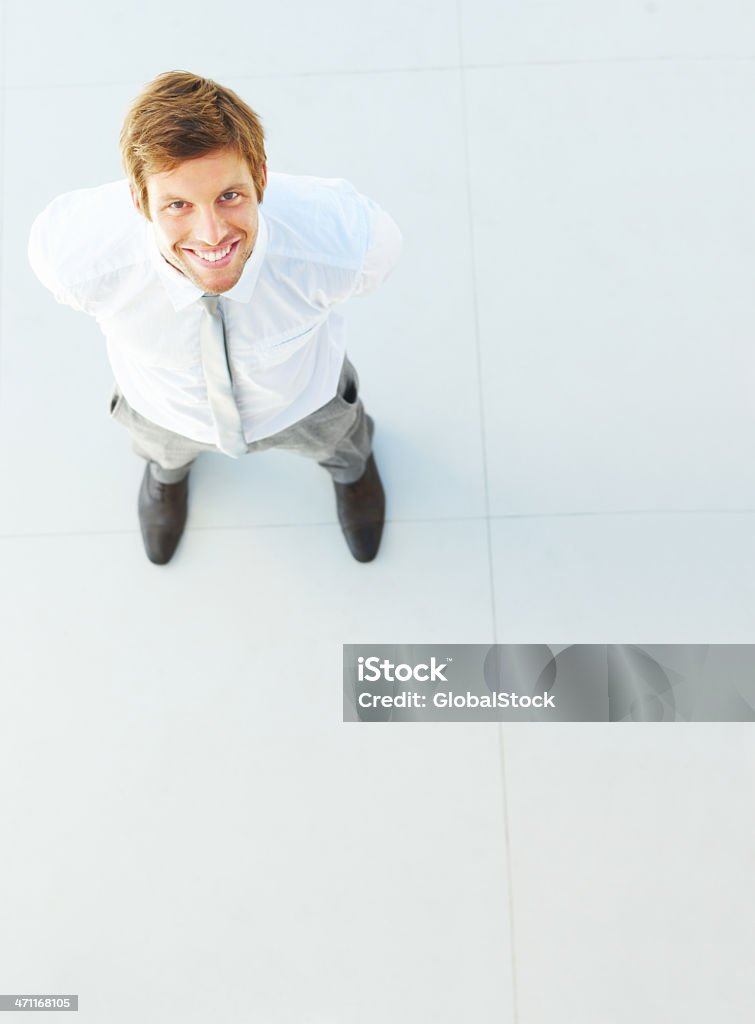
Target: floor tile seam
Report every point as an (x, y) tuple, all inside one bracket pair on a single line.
[(635, 59), (431, 68), (397, 522), (3, 147), (509, 872), (508, 910), (240, 77), (616, 513), (230, 527), (476, 333)]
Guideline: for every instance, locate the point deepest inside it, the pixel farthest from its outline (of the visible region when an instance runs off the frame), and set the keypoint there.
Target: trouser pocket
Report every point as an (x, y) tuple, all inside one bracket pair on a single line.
[(115, 402), (348, 385)]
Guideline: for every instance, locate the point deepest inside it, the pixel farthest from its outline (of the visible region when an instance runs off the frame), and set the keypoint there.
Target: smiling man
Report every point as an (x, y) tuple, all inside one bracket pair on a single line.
[(210, 237), (217, 289)]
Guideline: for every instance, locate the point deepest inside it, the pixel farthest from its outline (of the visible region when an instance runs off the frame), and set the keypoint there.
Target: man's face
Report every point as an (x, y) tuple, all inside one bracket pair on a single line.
[(205, 219)]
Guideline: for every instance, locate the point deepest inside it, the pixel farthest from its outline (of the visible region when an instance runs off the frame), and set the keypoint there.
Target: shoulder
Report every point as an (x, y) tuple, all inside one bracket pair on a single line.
[(86, 234), (325, 220)]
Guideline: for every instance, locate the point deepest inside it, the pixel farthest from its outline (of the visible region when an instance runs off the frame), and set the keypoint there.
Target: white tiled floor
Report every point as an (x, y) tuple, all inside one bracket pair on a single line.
[(560, 371)]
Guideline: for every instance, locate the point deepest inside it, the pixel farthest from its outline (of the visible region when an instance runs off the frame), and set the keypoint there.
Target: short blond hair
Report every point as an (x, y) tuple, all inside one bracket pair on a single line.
[(178, 116)]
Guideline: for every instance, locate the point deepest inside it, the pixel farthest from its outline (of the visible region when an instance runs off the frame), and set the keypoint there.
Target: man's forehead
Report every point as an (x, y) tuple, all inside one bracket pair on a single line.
[(219, 169)]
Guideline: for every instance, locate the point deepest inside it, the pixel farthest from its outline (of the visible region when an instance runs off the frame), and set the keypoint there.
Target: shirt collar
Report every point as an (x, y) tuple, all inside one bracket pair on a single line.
[(182, 291)]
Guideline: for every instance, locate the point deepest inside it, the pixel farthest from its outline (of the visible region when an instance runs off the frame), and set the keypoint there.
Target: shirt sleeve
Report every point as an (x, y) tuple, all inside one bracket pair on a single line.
[(42, 257), (383, 252)]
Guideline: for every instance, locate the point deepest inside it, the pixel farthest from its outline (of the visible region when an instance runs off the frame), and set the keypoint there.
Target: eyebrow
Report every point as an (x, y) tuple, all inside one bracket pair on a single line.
[(229, 188)]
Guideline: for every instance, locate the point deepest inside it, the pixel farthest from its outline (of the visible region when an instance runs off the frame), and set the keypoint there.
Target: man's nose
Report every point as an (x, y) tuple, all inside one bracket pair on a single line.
[(209, 227)]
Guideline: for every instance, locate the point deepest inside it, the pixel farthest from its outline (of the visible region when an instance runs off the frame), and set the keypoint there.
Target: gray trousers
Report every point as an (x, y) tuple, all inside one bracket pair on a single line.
[(338, 435)]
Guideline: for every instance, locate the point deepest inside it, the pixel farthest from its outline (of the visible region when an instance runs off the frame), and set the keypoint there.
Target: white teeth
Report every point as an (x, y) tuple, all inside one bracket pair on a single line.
[(213, 257)]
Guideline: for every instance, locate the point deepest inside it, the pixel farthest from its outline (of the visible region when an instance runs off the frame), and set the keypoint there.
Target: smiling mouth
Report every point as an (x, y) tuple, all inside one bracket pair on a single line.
[(214, 258)]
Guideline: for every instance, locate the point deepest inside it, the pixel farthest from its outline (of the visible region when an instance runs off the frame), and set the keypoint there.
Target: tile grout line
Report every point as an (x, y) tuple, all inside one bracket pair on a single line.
[(342, 72), (241, 76), (570, 62), (486, 490), (3, 150), (509, 871), (476, 327), (613, 513), (277, 525)]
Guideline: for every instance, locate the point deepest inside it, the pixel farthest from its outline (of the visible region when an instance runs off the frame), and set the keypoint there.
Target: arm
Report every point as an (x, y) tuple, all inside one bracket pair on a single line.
[(383, 252), (43, 258)]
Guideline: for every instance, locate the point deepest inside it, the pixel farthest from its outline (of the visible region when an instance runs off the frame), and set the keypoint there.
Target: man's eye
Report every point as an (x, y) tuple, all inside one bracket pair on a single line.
[(226, 194), (176, 204)]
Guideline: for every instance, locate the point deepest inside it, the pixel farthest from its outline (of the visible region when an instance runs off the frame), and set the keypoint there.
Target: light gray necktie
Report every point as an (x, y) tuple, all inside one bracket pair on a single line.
[(218, 378)]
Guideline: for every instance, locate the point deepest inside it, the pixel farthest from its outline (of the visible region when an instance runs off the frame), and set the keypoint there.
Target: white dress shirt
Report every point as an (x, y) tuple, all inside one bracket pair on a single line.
[(320, 242)]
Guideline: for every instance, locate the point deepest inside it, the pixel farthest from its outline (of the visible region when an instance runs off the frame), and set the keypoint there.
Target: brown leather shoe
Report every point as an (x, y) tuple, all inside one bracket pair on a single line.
[(361, 512), (162, 516)]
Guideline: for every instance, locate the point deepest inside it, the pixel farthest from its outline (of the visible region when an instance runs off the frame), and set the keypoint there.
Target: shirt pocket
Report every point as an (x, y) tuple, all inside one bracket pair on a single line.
[(280, 347)]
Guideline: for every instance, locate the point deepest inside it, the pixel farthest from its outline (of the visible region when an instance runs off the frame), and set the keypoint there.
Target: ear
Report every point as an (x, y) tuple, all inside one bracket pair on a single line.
[(135, 200)]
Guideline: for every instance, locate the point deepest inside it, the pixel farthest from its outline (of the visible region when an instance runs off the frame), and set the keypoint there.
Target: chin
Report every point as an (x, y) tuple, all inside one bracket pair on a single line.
[(218, 284)]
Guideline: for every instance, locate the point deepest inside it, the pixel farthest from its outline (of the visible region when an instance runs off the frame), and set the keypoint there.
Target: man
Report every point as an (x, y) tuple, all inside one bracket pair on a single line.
[(219, 310)]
